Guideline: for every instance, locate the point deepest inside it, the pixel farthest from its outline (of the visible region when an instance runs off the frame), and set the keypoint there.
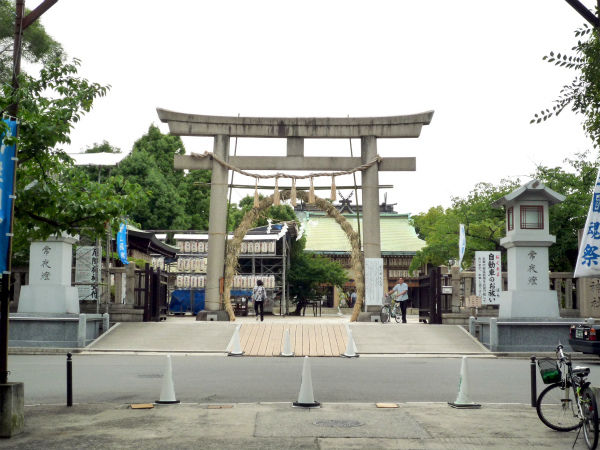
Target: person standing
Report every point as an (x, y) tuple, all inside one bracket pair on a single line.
[(259, 295), (353, 298), (401, 290)]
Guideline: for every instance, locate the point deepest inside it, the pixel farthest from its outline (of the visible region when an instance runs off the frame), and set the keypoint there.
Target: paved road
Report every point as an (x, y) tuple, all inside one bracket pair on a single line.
[(208, 379)]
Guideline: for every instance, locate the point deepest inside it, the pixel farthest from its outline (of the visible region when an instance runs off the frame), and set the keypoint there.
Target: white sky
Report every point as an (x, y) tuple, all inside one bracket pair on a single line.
[(477, 64)]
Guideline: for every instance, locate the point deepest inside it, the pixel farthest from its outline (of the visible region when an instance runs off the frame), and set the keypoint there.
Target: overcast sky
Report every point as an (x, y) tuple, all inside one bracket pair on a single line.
[(477, 64)]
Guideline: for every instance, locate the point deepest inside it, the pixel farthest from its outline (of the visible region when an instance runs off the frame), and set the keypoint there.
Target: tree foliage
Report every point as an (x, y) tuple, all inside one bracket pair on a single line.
[(575, 179), (440, 228), (52, 195), (173, 201), (38, 46), (583, 94)]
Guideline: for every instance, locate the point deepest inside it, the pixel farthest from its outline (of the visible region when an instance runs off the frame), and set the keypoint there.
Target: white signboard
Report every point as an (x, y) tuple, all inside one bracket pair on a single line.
[(488, 275), (374, 281), (87, 270)]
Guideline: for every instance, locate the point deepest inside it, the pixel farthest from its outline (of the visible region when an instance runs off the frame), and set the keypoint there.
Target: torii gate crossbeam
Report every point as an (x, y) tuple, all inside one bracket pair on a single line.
[(295, 130)]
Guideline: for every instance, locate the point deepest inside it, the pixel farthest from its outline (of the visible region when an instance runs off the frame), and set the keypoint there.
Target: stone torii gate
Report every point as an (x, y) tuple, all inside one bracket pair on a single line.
[(295, 130)]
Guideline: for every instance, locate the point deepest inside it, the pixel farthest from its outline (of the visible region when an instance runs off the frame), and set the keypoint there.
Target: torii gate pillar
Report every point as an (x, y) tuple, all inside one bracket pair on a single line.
[(370, 199), (217, 227), (295, 130)]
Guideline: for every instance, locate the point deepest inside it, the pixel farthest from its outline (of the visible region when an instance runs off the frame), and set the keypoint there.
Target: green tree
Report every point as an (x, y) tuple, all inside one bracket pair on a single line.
[(484, 226), (52, 196), (99, 173), (38, 46), (583, 94), (309, 270), (164, 207), (575, 180)]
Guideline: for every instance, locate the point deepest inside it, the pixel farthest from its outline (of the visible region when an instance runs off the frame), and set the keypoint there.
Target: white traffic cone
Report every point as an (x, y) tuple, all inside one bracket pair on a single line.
[(463, 399), (287, 346), (167, 392), (306, 398), (350, 348), (237, 350)]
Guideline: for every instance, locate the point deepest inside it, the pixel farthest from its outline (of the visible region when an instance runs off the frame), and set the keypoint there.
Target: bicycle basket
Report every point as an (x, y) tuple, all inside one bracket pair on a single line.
[(549, 370)]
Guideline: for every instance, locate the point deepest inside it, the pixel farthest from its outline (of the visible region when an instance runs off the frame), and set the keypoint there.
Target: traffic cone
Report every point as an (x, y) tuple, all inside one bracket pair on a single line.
[(350, 348), (463, 399), (167, 392), (306, 399), (237, 350), (287, 346)]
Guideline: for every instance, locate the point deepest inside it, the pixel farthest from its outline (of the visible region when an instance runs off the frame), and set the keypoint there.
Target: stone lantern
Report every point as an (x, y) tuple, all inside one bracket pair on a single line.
[(527, 241)]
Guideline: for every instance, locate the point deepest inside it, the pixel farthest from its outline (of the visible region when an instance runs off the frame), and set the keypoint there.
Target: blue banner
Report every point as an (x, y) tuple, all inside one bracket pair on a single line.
[(122, 243), (7, 167)]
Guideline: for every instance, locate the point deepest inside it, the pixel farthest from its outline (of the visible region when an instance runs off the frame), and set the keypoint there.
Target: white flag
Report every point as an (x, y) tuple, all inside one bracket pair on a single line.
[(588, 259), (462, 245)]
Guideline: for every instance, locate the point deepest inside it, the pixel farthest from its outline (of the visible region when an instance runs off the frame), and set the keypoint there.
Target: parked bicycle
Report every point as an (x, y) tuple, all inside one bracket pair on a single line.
[(391, 309), (569, 403)]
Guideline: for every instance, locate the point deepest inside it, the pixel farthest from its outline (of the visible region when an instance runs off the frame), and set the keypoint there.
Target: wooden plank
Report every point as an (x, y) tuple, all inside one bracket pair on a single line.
[(262, 349), (298, 340), (327, 334), (260, 331), (319, 339), (275, 346), (312, 340), (305, 340), (341, 338), (244, 336), (251, 338)]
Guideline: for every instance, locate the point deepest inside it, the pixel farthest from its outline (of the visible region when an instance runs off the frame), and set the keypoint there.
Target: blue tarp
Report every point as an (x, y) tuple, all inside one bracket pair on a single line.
[(181, 300)]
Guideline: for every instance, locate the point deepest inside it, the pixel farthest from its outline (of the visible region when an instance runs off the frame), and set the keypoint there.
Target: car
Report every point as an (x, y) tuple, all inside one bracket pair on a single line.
[(583, 338)]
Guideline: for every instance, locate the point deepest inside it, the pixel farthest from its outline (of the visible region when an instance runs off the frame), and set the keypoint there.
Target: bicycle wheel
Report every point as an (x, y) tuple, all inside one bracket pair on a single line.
[(397, 313), (557, 408), (590, 418), (384, 315)]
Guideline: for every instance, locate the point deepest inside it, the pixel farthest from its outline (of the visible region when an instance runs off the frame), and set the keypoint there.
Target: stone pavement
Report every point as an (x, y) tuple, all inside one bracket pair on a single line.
[(422, 426), (326, 335)]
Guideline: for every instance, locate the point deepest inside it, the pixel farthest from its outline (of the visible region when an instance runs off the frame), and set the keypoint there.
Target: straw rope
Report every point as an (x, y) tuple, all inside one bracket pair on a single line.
[(206, 154), (234, 246)]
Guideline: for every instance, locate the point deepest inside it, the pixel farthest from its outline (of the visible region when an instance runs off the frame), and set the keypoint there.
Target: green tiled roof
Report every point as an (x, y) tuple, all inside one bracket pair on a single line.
[(327, 236)]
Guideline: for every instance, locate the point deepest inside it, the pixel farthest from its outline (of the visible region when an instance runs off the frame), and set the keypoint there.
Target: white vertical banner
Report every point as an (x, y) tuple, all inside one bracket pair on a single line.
[(462, 245), (87, 270), (373, 281), (588, 257), (488, 275)]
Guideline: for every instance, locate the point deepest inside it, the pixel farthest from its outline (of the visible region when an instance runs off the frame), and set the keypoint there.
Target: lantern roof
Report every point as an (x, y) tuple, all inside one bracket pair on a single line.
[(534, 190)]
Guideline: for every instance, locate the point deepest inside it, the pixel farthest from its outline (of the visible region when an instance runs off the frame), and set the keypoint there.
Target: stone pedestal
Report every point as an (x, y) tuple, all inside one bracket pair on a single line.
[(12, 412), (49, 289)]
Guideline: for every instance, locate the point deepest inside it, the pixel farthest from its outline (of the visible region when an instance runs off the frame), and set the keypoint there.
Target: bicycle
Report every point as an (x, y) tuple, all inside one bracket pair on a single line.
[(394, 307), (569, 402)]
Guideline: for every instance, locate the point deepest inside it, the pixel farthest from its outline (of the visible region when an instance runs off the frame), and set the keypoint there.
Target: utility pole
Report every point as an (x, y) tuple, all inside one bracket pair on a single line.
[(585, 13), (21, 24)]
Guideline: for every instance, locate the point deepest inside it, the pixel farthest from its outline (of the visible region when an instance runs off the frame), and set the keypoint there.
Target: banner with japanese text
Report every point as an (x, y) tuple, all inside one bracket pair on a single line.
[(7, 165), (587, 259), (462, 245), (122, 243), (488, 277)]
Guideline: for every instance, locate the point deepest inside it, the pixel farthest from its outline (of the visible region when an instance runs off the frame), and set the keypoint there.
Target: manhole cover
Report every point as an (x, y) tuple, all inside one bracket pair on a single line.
[(339, 423), (149, 375)]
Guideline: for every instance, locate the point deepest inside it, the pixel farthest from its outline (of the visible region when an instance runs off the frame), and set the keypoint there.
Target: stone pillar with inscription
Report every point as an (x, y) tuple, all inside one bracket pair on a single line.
[(527, 241), (49, 289)]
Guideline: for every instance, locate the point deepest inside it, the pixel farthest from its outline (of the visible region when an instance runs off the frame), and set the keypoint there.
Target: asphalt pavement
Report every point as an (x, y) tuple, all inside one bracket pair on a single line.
[(261, 425)]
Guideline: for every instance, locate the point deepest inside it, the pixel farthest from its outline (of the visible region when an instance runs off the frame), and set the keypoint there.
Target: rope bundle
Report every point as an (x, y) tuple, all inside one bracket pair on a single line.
[(276, 195)]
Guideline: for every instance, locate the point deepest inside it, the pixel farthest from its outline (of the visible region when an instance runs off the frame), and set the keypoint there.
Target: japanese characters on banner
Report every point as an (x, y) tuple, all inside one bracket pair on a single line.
[(87, 270), (587, 259), (488, 273), (122, 243), (7, 164)]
